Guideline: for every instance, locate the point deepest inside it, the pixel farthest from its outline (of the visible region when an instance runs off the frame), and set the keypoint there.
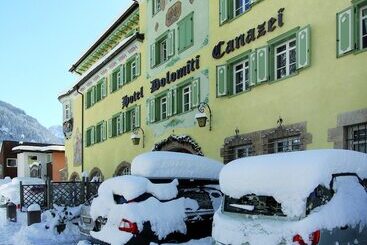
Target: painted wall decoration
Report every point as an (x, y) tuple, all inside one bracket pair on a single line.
[(78, 148), (68, 128), (173, 13)]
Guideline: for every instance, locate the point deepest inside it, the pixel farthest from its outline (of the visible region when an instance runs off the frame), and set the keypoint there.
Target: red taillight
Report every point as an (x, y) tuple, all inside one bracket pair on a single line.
[(18, 206), (314, 237), (128, 226)]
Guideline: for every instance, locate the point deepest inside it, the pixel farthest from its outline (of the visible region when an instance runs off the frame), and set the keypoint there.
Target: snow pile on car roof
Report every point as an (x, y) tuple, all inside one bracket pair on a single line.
[(175, 165), (130, 187), (289, 177), (346, 208)]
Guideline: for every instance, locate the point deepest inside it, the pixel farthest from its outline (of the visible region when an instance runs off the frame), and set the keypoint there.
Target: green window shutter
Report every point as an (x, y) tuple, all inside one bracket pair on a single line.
[(262, 71), (223, 11), (345, 31), (137, 116), (303, 47), (123, 74), (93, 95), (153, 55), (104, 130), (110, 128), (174, 100), (104, 88), (189, 30), (171, 43), (138, 64), (195, 92), (93, 135), (124, 121), (169, 103), (120, 124), (87, 99), (179, 100), (110, 81), (147, 111), (252, 67), (152, 110), (222, 80), (181, 35)]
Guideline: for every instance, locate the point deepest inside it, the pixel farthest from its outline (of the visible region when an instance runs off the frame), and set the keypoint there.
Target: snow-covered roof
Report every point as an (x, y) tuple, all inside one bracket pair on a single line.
[(289, 177), (39, 148), (175, 165)]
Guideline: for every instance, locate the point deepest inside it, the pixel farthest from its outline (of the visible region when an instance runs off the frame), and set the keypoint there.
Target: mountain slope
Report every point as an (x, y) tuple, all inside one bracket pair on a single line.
[(16, 125)]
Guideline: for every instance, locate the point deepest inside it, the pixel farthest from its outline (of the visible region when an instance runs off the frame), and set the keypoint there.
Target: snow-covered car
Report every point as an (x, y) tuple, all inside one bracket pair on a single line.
[(10, 192), (316, 197), (169, 197)]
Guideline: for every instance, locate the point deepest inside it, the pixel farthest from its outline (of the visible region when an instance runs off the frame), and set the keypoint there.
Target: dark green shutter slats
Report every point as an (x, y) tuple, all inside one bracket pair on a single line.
[(104, 130), (345, 31), (262, 71), (186, 32), (221, 80), (303, 47), (110, 128), (104, 87)]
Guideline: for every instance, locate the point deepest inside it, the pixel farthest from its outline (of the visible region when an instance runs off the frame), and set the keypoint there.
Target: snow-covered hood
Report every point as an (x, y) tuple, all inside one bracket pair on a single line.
[(175, 165), (347, 207), (289, 177)]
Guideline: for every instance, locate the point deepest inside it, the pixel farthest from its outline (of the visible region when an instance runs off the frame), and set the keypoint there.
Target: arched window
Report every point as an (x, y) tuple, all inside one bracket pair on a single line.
[(74, 177), (96, 175), (123, 169)]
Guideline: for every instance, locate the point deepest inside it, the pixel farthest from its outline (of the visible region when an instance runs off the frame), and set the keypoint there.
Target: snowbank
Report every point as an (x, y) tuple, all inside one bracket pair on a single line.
[(6, 180), (347, 207), (289, 177), (177, 165), (129, 187), (11, 190)]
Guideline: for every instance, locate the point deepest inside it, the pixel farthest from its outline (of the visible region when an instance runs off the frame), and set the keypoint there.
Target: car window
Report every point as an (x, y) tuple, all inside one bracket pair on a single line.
[(254, 205), (200, 196), (320, 196)]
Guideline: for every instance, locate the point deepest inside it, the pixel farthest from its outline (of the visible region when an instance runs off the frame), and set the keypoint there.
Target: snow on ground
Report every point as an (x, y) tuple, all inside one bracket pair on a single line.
[(175, 165), (20, 234), (11, 190)]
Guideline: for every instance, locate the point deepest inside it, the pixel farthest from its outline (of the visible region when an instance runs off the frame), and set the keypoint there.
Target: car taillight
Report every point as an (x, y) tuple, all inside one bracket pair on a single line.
[(314, 238), (128, 226)]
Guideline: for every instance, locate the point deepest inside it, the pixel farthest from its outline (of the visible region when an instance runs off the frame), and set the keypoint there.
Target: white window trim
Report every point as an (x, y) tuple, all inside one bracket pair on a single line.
[(243, 70), (163, 100), (157, 6), (361, 25), (132, 119), (183, 97), (244, 3), (7, 162), (67, 110), (133, 70), (287, 140), (247, 149), (287, 54)]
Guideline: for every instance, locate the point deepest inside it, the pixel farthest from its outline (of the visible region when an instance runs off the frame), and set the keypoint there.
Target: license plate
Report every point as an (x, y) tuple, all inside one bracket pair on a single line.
[(87, 220)]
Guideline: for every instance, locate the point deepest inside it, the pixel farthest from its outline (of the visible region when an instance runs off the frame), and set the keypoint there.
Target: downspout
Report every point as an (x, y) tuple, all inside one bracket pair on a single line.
[(77, 90)]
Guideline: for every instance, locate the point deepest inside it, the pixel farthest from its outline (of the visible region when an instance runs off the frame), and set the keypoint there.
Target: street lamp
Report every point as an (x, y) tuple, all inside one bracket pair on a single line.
[(135, 137), (201, 117)]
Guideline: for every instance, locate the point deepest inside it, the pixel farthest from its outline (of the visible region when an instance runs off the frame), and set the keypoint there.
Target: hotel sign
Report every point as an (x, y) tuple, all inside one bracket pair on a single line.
[(127, 100), (251, 35)]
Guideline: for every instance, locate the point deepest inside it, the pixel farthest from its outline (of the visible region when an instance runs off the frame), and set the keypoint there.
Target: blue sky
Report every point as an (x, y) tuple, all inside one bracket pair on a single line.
[(39, 41)]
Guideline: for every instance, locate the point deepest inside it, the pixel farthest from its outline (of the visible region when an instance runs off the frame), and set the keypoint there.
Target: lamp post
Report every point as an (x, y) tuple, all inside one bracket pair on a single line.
[(201, 117), (135, 137)]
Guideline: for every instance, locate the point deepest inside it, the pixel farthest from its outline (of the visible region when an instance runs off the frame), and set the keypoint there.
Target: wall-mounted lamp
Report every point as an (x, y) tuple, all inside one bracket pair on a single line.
[(135, 137), (201, 117)]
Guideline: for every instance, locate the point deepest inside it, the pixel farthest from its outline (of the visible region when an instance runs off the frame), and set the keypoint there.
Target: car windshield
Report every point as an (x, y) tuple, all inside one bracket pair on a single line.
[(253, 205)]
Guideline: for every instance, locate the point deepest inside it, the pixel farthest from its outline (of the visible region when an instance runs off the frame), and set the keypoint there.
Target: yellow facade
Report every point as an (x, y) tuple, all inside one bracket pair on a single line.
[(321, 97)]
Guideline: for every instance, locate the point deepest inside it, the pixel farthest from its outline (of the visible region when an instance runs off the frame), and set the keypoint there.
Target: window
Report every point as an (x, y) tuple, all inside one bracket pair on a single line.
[(186, 33), (90, 97), (132, 120), (115, 80), (100, 132), (243, 151), (241, 6), (357, 137), (90, 136), (363, 29), (241, 76), (156, 6), (186, 98), (115, 125), (67, 111), (285, 59), (100, 90), (285, 144), (163, 109), (133, 70), (11, 162), (162, 49)]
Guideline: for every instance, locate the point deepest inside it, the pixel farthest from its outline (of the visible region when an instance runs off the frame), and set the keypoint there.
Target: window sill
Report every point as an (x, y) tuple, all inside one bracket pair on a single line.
[(180, 51), (281, 79), (240, 93), (358, 51), (169, 118)]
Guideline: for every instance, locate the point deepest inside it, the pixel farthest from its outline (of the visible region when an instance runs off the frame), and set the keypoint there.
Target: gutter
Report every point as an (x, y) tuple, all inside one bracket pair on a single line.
[(82, 153)]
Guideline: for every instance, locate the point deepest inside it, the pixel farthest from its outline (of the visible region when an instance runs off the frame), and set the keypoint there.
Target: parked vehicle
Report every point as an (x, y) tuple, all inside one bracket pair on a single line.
[(316, 197), (168, 198)]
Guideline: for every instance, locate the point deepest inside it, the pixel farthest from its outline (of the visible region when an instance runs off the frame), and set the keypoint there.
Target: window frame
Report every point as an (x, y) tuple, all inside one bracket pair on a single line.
[(245, 84), (244, 10), (247, 148), (351, 141), (275, 148), (9, 166), (115, 77), (67, 111), (99, 132), (88, 141), (361, 18), (287, 53), (156, 6), (163, 58), (115, 124), (188, 86), (161, 111)]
